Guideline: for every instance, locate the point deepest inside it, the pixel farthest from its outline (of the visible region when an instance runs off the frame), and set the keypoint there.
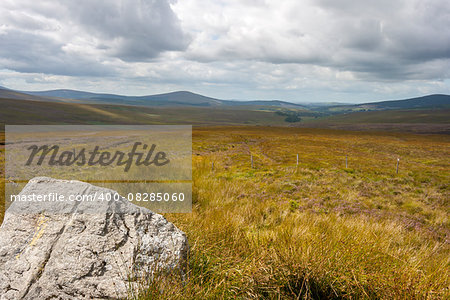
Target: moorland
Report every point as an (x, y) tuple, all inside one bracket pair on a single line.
[(282, 230)]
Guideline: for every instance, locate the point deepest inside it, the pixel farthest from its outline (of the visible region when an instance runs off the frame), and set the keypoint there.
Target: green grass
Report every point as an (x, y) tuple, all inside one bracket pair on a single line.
[(436, 116), (38, 112)]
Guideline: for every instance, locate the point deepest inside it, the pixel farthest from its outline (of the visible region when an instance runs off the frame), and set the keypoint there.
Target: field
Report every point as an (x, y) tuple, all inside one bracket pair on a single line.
[(316, 230), (412, 120), (319, 229), (2, 175), (39, 112), (394, 116)]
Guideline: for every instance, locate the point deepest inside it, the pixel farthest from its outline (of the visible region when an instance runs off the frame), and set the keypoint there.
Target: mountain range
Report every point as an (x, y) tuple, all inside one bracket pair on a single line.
[(178, 98), (186, 98), (436, 101)]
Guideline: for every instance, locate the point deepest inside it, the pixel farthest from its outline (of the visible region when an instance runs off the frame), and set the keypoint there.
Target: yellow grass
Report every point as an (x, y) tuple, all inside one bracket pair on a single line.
[(317, 230)]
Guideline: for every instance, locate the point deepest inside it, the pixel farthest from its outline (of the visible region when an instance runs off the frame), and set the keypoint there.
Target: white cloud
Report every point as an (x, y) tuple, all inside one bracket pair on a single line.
[(83, 37), (345, 35), (315, 49)]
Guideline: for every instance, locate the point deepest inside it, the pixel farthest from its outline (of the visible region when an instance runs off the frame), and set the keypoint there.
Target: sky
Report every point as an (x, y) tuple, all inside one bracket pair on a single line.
[(294, 50)]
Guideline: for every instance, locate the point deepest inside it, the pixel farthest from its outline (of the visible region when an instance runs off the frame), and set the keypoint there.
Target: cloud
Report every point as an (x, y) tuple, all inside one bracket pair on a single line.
[(132, 30), (85, 37), (375, 39), (268, 49), (35, 53)]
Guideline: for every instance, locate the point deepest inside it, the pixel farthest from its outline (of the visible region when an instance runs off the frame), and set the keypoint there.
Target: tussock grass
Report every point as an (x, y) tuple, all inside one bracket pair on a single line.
[(317, 230), (2, 176)]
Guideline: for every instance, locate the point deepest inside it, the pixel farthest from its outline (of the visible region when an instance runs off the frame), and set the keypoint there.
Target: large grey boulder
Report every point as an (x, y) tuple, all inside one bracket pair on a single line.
[(83, 250)]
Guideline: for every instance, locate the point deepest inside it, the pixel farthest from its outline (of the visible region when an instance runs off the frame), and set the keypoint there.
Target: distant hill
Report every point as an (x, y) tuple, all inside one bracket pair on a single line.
[(180, 98), (11, 94), (186, 98), (427, 114), (437, 116), (426, 109), (169, 99), (437, 101), (13, 111), (430, 101), (424, 114)]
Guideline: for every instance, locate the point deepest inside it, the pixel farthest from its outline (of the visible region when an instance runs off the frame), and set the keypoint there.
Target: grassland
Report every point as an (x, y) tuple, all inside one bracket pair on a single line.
[(40, 112), (413, 120), (2, 175), (439, 116), (316, 230)]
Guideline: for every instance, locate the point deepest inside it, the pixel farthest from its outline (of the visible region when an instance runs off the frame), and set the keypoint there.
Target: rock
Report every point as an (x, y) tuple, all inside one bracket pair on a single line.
[(82, 250)]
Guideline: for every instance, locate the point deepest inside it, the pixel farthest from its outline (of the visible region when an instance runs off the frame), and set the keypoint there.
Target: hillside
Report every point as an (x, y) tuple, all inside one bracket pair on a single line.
[(179, 98), (440, 116), (13, 111), (430, 101), (436, 101), (168, 99), (186, 98), (428, 114), (11, 94)]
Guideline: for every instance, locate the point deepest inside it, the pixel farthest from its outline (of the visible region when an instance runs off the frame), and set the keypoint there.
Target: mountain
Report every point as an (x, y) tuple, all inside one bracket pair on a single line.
[(427, 114), (180, 98), (415, 116), (6, 93), (430, 101), (436, 101), (279, 103), (189, 99), (169, 99), (66, 94)]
